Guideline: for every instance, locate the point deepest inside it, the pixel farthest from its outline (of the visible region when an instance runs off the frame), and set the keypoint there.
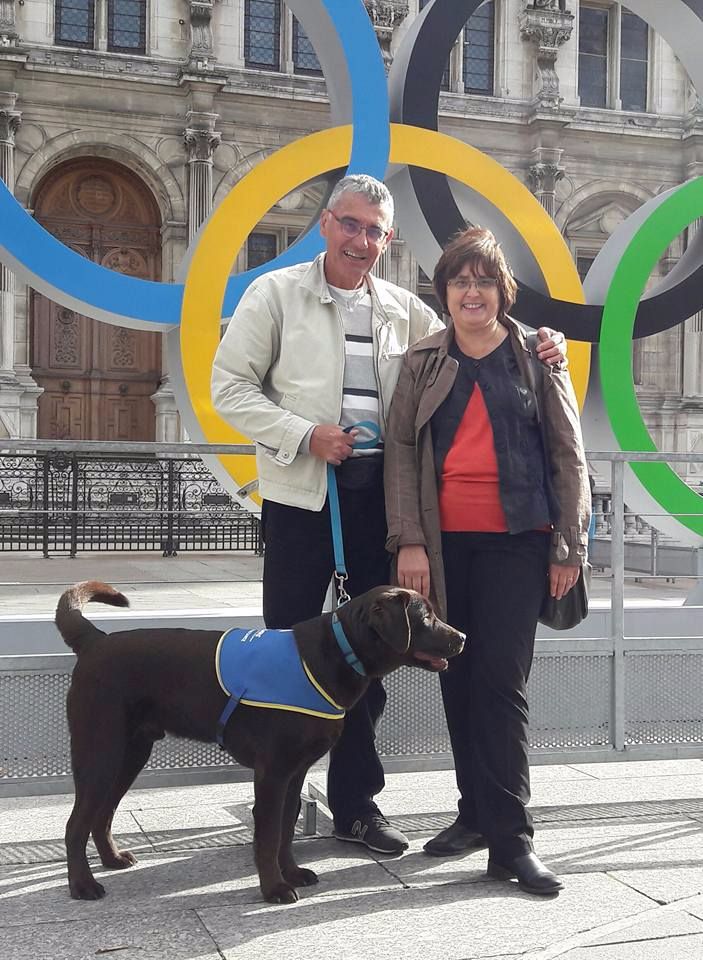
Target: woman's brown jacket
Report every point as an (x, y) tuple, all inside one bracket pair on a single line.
[(412, 506)]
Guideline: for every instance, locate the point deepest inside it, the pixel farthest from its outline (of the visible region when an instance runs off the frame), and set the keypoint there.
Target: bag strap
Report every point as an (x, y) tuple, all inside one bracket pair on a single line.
[(537, 384)]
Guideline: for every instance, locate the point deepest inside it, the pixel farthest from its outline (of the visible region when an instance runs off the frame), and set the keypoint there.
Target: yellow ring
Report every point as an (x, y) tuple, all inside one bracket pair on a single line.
[(303, 160)]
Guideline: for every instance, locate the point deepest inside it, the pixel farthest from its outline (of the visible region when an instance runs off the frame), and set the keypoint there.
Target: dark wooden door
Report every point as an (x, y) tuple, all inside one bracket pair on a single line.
[(97, 378)]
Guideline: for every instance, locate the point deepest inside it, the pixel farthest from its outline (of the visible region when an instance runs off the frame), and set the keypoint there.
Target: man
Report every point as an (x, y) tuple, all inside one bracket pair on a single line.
[(311, 350)]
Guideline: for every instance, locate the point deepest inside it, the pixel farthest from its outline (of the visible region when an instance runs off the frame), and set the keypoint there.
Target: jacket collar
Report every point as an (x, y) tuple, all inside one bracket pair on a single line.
[(443, 339), (315, 281)]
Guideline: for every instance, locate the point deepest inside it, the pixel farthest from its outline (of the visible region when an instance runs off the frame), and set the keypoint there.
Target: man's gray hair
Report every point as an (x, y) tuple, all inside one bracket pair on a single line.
[(369, 187)]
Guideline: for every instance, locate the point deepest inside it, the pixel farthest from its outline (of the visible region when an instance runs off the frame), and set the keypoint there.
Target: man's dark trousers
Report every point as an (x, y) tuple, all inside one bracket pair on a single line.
[(298, 564)]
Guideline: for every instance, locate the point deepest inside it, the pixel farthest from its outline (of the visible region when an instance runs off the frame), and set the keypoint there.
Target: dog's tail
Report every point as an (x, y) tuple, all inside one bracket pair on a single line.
[(72, 625)]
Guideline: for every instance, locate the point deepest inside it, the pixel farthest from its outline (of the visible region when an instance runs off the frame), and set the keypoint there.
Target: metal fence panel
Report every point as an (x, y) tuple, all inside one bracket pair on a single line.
[(663, 700), (63, 503)]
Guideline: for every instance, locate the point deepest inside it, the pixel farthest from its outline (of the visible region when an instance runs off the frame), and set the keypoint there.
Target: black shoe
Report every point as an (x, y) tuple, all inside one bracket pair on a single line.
[(454, 840), (375, 832), (532, 875)]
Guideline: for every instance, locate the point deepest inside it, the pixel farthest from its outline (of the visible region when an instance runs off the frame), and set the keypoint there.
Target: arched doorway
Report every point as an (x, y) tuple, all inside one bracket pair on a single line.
[(97, 378)]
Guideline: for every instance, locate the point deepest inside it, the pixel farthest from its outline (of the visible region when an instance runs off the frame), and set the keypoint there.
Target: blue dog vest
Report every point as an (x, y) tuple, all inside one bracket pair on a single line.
[(262, 668)]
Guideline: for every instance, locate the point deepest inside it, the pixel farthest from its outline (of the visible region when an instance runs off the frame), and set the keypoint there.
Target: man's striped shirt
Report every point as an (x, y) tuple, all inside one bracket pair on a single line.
[(360, 400)]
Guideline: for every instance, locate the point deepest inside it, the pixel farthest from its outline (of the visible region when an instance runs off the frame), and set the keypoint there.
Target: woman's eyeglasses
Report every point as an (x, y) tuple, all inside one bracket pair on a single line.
[(465, 283), (352, 228)]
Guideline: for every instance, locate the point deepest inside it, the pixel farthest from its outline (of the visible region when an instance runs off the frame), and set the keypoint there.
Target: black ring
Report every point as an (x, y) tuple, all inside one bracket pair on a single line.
[(415, 83)]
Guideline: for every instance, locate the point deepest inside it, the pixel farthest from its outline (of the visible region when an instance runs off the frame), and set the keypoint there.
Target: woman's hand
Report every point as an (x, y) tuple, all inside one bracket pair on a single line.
[(414, 569), (562, 579)]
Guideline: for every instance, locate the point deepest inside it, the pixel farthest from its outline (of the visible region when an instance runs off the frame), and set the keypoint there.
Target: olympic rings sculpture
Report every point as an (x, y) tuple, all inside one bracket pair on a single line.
[(377, 123)]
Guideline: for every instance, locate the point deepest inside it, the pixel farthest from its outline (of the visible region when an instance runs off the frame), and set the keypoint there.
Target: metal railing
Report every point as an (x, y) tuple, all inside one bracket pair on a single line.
[(625, 685), (67, 497)]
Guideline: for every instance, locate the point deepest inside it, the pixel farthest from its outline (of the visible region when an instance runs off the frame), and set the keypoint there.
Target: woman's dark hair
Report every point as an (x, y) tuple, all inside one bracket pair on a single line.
[(478, 249)]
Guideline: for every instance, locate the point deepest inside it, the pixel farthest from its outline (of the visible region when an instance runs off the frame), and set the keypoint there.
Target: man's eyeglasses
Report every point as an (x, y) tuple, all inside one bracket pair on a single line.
[(465, 283), (352, 228)]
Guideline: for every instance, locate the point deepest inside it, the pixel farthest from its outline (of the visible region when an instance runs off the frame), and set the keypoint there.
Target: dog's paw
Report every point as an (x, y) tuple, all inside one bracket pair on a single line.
[(88, 889), (300, 877), (120, 860), (281, 893)]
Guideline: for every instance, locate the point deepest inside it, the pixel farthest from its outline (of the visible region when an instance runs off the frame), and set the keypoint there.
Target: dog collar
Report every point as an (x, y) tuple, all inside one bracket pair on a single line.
[(345, 646)]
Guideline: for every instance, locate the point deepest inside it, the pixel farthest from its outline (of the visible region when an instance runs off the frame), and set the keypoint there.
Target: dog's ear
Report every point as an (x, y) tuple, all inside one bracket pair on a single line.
[(389, 618)]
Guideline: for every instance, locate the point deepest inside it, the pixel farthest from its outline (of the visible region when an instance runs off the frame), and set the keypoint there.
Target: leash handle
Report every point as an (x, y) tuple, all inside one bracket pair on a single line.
[(340, 568)]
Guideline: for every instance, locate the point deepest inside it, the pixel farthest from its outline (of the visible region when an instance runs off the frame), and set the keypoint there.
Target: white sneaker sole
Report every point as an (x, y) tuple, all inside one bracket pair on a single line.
[(349, 839)]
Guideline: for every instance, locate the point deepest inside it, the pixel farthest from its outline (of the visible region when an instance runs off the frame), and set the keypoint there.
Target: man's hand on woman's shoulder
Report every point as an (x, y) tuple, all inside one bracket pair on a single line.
[(551, 346)]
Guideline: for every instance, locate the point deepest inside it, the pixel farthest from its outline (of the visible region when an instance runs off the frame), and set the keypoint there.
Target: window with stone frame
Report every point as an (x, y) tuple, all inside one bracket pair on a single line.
[(126, 26), (478, 65), (303, 53), (74, 23), (261, 248), (472, 60), (265, 243), (614, 49), (273, 37), (262, 34)]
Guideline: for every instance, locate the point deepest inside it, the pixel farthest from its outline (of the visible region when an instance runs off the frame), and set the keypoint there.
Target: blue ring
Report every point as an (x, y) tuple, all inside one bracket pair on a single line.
[(73, 281)]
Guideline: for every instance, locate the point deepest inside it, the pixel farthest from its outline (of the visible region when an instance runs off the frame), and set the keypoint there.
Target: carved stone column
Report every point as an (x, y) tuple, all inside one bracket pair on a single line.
[(548, 25), (385, 16), (200, 140), (9, 122), (544, 175)]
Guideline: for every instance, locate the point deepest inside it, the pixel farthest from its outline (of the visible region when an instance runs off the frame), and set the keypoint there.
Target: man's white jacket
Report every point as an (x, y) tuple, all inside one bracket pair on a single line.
[(279, 370)]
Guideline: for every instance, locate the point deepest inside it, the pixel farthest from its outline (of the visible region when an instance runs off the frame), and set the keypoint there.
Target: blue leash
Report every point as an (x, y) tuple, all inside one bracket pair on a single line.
[(340, 568), (345, 646)]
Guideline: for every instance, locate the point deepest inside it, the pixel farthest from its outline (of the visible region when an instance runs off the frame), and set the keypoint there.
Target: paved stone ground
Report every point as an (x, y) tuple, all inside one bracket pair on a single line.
[(627, 839), (205, 581)]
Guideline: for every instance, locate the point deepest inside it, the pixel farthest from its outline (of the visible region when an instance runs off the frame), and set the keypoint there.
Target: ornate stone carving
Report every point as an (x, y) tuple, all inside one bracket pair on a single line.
[(126, 261), (548, 25), (201, 55), (548, 4), (9, 125), (95, 195), (385, 16), (386, 13), (8, 30), (544, 177), (66, 339), (124, 348), (201, 143)]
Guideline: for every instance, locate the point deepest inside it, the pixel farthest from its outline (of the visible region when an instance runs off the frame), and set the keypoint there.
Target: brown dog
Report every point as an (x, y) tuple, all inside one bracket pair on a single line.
[(129, 688)]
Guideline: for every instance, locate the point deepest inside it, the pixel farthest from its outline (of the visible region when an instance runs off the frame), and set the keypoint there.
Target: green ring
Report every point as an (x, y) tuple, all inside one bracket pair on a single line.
[(617, 380)]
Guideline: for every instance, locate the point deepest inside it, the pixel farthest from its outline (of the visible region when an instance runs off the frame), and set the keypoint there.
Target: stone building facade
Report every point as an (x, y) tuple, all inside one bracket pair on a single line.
[(123, 121)]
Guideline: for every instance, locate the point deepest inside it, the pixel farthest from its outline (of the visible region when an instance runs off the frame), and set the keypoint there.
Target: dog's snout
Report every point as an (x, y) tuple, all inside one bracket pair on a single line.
[(458, 641)]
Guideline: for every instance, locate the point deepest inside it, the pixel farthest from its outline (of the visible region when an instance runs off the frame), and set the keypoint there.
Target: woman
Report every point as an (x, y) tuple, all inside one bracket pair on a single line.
[(483, 520)]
